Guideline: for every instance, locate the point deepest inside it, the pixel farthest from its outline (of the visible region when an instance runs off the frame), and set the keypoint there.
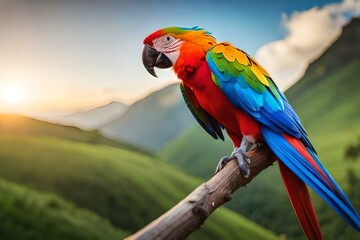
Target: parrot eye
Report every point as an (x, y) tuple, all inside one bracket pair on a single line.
[(166, 40)]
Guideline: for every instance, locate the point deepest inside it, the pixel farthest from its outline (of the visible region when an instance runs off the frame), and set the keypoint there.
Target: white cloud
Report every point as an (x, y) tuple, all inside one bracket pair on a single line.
[(309, 33)]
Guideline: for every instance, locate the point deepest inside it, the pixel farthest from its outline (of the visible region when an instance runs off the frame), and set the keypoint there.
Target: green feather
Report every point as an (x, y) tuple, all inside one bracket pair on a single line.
[(254, 83), (238, 65), (222, 64), (274, 91), (233, 70)]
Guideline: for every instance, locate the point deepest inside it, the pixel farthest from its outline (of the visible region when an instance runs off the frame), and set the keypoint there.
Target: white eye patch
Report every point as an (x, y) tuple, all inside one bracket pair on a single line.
[(166, 44)]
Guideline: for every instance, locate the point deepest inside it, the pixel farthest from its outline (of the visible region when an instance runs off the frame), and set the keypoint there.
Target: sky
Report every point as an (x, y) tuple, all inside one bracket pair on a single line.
[(70, 55)]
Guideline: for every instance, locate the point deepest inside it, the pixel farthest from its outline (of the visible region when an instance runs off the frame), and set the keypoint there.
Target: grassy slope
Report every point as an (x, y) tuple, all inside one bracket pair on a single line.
[(23, 126), (27, 214), (127, 188)]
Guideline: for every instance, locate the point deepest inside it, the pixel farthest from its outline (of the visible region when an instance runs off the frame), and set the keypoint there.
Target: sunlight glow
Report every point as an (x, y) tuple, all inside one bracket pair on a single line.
[(12, 94)]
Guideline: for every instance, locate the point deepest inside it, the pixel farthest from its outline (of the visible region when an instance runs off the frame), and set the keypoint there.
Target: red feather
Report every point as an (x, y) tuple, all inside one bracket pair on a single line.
[(299, 146), (301, 202)]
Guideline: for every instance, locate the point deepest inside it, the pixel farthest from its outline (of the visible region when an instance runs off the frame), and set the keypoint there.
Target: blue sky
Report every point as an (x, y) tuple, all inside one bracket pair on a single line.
[(66, 55)]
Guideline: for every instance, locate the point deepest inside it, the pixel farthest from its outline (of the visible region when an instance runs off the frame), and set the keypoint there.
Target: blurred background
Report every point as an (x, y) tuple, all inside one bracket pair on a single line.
[(93, 147)]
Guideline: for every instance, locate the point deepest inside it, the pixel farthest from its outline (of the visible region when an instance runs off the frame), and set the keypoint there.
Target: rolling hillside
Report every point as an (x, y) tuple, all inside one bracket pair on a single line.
[(327, 100), (153, 121), (29, 214), (127, 188), (22, 126)]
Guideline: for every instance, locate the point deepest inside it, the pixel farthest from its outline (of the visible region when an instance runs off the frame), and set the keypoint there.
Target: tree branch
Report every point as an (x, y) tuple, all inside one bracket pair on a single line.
[(190, 213)]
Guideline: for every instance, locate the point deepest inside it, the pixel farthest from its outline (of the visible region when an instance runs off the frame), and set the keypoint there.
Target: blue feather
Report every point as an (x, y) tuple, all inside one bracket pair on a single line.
[(303, 169)]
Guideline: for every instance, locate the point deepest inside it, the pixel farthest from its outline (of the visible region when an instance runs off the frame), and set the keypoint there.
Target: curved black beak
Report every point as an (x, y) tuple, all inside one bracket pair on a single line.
[(152, 58)]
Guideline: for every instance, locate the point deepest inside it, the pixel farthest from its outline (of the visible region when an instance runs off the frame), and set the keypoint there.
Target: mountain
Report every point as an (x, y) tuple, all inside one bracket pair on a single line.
[(153, 121), (119, 184), (96, 117), (327, 100), (86, 119)]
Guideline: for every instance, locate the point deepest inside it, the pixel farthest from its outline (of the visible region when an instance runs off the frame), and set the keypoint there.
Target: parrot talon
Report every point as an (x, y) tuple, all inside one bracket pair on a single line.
[(242, 159), (221, 164)]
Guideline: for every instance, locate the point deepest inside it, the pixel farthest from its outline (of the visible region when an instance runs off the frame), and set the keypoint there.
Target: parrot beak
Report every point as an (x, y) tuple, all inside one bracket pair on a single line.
[(152, 58)]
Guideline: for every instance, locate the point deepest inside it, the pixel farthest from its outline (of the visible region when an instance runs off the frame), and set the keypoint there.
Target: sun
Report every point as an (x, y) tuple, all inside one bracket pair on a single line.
[(12, 94)]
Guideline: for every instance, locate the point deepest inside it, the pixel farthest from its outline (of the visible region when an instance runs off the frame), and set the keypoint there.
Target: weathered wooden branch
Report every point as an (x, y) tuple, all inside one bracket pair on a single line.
[(190, 213)]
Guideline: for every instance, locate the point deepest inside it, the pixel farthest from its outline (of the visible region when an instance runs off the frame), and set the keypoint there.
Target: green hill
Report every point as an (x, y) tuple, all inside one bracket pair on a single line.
[(28, 214), (129, 189), (327, 100), (23, 126)]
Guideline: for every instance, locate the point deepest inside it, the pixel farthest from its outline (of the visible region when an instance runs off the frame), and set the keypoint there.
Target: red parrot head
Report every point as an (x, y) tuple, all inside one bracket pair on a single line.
[(164, 47)]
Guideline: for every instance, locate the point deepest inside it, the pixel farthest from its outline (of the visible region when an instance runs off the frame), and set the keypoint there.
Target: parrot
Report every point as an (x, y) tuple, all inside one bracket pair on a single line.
[(226, 89)]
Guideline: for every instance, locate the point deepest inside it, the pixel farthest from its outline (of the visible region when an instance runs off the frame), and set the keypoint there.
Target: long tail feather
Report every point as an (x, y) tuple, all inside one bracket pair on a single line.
[(301, 202), (308, 168)]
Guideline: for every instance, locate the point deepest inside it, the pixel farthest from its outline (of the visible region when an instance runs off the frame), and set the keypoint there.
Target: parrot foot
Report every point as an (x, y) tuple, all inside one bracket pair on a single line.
[(240, 154), (242, 159)]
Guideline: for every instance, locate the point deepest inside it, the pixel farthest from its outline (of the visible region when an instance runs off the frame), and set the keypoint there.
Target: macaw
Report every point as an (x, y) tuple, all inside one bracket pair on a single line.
[(225, 88)]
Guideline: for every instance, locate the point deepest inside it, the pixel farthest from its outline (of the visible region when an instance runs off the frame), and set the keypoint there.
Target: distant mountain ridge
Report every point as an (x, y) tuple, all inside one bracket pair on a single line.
[(152, 121), (90, 119), (97, 117)]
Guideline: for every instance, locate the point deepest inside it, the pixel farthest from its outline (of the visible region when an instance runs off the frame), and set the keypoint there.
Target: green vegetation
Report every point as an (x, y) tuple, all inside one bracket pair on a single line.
[(196, 152), (28, 214), (127, 188), (22, 126), (340, 228)]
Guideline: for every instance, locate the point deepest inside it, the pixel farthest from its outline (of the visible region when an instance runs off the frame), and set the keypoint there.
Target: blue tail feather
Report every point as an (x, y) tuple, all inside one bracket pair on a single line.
[(307, 173), (341, 193)]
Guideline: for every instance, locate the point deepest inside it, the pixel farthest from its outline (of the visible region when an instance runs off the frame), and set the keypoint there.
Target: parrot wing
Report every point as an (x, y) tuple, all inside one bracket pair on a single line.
[(207, 122), (249, 87)]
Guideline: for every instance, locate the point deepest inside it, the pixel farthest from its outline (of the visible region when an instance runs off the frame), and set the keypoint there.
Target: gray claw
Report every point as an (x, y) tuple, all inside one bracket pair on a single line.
[(240, 154), (243, 161), (223, 161)]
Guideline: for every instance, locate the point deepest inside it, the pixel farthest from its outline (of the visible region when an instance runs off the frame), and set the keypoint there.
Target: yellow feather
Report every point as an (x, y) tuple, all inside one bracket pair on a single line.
[(229, 53), (219, 48), (255, 69), (242, 58)]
